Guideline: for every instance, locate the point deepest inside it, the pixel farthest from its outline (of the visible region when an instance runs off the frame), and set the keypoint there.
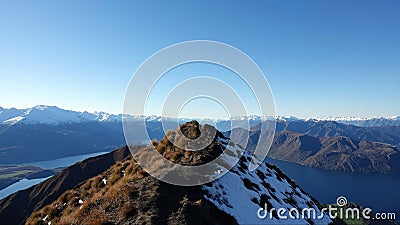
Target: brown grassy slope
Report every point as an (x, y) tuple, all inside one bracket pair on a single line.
[(15, 208), (130, 196)]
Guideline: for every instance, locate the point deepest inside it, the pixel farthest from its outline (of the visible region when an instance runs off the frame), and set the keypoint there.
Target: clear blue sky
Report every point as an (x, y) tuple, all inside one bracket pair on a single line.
[(321, 58)]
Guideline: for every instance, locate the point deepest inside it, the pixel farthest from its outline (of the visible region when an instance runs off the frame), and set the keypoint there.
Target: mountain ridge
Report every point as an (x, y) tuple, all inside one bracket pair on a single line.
[(125, 194), (333, 152), (38, 141), (54, 115)]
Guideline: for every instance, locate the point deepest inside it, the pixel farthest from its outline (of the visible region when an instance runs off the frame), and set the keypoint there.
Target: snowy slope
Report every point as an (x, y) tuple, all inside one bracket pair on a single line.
[(241, 194), (9, 114)]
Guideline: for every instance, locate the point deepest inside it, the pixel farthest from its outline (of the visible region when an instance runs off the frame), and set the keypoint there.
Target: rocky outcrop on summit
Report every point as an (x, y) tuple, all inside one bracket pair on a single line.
[(174, 145)]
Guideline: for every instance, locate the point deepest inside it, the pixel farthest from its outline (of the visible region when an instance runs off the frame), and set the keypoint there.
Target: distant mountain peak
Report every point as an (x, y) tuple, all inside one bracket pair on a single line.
[(288, 118), (46, 107)]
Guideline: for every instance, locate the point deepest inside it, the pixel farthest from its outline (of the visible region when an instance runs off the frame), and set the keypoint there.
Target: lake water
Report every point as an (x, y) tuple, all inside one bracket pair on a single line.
[(63, 162), (379, 192), (49, 164), (20, 185)]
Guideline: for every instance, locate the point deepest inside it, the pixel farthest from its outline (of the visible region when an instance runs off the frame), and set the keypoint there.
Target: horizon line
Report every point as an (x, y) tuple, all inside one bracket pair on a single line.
[(205, 118)]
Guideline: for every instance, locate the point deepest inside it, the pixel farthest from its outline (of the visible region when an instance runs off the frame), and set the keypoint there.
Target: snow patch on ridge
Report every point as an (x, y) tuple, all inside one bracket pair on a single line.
[(241, 193)]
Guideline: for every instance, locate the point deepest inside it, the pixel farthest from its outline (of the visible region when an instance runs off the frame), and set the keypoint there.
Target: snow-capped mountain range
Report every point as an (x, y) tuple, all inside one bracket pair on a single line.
[(53, 115), (378, 121), (365, 122)]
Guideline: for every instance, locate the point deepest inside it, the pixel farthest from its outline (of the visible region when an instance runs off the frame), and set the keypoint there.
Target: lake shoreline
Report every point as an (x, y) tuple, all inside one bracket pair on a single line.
[(376, 191), (43, 169)]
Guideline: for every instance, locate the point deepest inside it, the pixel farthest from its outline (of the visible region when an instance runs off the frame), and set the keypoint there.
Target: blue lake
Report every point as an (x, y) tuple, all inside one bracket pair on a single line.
[(376, 191), (20, 185), (63, 162)]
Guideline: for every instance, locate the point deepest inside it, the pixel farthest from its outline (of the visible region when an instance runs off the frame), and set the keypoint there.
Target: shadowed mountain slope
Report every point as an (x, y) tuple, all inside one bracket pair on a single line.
[(15, 208)]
